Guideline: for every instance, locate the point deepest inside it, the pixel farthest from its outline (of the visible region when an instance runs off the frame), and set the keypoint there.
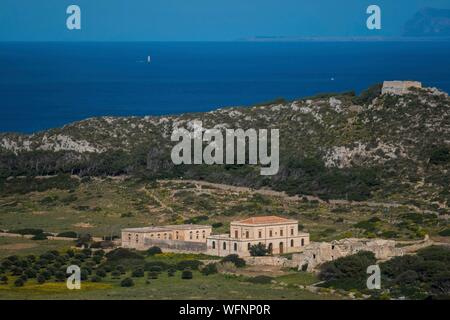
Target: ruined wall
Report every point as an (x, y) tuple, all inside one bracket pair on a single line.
[(320, 252), (176, 245), (271, 261)]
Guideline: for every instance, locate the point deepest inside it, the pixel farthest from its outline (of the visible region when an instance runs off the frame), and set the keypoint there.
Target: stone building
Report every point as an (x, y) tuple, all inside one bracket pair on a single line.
[(279, 235), (399, 87), (187, 237), (319, 252)]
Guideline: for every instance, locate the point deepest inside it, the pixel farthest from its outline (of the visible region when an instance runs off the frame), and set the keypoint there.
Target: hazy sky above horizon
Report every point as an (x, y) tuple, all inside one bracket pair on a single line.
[(201, 20)]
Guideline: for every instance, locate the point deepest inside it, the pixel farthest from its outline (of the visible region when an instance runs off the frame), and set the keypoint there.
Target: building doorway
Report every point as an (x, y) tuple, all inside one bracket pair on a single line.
[(281, 248), (269, 248)]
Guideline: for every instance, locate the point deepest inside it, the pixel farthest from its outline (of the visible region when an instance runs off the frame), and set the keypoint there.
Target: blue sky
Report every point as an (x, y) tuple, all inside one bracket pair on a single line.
[(200, 20)]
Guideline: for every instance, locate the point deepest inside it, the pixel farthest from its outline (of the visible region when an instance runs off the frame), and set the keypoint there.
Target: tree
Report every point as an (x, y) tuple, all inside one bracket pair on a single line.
[(171, 272), (258, 250), (234, 258), (100, 273), (154, 250), (19, 282), (186, 274), (40, 279), (4, 279), (127, 282), (137, 273), (210, 268)]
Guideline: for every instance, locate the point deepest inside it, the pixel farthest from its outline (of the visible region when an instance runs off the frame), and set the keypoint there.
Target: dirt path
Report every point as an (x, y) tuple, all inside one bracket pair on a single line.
[(286, 197)]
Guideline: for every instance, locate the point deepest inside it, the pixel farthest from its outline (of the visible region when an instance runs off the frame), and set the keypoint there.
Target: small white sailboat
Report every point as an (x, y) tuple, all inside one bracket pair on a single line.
[(149, 59)]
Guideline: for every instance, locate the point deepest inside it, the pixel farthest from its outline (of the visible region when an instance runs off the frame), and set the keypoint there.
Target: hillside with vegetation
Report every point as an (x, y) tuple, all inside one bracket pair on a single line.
[(370, 147)]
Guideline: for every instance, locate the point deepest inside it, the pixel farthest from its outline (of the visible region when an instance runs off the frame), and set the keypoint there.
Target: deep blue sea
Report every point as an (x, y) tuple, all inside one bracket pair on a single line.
[(46, 85)]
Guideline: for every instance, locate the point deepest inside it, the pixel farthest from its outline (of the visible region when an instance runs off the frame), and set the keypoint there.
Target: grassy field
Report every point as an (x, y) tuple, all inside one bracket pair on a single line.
[(23, 247), (104, 206), (217, 286), (214, 286)]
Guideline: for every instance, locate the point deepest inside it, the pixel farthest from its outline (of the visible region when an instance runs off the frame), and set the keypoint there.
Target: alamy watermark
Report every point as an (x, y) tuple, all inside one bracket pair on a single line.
[(374, 280), (230, 146)]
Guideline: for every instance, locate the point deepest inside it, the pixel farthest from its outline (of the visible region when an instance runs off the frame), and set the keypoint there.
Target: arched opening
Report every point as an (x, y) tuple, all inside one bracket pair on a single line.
[(235, 246), (224, 246), (281, 248), (292, 242), (248, 246), (213, 244), (303, 242), (269, 248)]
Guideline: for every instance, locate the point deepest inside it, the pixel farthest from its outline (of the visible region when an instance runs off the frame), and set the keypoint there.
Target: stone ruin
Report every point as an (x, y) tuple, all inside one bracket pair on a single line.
[(319, 252)]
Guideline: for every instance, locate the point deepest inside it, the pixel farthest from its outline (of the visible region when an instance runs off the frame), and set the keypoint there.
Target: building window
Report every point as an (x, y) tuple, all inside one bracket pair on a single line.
[(190, 235), (196, 235), (235, 246), (176, 234), (129, 237), (204, 234), (259, 234), (247, 234), (281, 232), (270, 233), (292, 242), (248, 246), (303, 242), (159, 236), (213, 244), (165, 235), (224, 246), (137, 238), (292, 232), (235, 233)]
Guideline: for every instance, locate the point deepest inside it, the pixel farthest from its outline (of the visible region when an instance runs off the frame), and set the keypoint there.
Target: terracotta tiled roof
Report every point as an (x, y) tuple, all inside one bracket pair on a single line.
[(265, 220)]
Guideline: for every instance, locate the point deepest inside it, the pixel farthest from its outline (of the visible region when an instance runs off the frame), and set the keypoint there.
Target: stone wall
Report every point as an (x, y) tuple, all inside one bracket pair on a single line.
[(271, 261), (176, 245), (319, 252)]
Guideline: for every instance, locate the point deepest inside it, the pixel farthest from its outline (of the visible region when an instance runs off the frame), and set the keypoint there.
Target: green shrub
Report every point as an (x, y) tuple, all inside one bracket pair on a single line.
[(27, 231), (260, 279), (67, 234), (100, 273), (122, 253), (137, 273), (258, 250), (235, 259), (440, 155), (96, 279), (153, 275), (4, 279), (210, 268), (154, 250), (155, 269), (189, 264), (186, 274), (445, 233), (127, 282), (39, 237), (171, 272), (40, 279), (161, 264), (19, 282)]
